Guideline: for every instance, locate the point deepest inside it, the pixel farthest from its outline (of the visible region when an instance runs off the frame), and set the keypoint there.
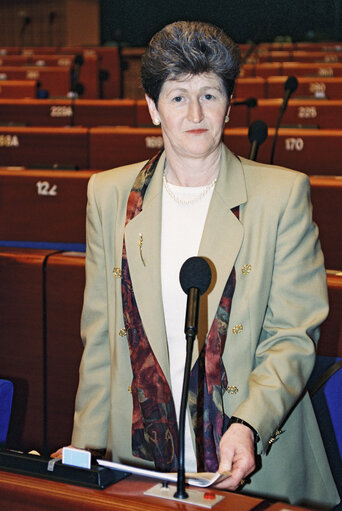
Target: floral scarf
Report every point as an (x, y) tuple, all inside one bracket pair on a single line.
[(154, 424)]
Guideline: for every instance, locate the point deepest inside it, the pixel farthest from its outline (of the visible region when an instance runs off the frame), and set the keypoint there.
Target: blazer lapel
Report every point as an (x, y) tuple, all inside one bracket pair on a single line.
[(222, 237), (143, 235)]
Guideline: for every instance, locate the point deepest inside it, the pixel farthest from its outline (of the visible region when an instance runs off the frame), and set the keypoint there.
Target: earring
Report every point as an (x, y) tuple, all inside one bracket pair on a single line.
[(226, 119), (156, 122)]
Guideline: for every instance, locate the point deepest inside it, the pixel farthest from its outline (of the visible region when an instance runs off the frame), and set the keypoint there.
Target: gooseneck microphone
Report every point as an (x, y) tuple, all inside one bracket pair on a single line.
[(257, 135), (290, 86), (195, 278), (250, 102)]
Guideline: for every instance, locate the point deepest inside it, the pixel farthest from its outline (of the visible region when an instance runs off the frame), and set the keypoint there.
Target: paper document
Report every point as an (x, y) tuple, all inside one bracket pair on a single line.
[(201, 479)]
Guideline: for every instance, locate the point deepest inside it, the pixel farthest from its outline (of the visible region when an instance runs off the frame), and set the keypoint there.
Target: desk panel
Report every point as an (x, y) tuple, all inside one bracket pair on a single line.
[(31, 494), (43, 205), (41, 147)]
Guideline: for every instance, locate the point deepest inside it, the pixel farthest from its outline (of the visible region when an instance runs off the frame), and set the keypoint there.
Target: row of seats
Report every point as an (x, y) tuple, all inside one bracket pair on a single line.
[(273, 87), (311, 151), (41, 352), (297, 56), (311, 113), (318, 69), (99, 69), (44, 208), (18, 89), (57, 81)]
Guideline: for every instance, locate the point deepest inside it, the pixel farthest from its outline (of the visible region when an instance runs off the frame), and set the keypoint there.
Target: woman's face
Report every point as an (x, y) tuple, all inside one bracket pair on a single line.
[(191, 111)]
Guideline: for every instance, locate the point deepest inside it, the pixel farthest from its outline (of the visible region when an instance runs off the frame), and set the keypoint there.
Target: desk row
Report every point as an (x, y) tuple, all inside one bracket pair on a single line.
[(310, 113), (47, 208), (40, 352), (98, 69), (310, 151)]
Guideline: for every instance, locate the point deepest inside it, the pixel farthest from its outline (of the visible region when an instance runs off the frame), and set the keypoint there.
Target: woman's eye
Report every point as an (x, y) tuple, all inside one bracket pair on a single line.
[(177, 99), (208, 96)]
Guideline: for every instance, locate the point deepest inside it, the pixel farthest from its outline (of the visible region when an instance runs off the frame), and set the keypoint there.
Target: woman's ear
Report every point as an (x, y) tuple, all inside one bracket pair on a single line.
[(153, 110)]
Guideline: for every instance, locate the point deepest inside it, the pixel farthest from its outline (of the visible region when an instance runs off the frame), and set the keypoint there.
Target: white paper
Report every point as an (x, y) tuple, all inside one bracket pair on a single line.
[(201, 479)]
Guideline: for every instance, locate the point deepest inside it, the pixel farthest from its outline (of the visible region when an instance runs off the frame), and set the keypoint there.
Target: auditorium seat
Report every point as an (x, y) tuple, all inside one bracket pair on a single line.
[(327, 400), (321, 69), (246, 87), (21, 343), (310, 151), (18, 88), (112, 147), (326, 195), (268, 69), (64, 297), (36, 112), (308, 113), (105, 112), (44, 147), (315, 87), (316, 56), (56, 80), (6, 397), (64, 112), (275, 56), (43, 207), (330, 344), (109, 68)]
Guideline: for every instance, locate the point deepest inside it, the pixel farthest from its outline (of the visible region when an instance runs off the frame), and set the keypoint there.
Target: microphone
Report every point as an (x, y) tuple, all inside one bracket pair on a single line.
[(250, 102), (78, 63), (290, 86), (195, 278), (257, 134)]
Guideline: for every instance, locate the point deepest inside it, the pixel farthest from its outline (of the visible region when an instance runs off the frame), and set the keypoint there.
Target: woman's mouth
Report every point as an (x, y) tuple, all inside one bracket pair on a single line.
[(197, 131)]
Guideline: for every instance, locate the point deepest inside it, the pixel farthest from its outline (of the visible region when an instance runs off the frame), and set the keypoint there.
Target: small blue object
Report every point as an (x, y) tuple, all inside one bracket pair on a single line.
[(6, 396)]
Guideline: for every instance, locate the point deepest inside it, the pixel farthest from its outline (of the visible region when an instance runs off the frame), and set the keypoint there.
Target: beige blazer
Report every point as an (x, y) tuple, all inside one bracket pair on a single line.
[(280, 300)]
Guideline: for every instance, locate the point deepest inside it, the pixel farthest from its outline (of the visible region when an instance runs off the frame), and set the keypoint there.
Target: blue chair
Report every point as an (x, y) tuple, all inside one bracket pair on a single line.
[(6, 396), (325, 388)]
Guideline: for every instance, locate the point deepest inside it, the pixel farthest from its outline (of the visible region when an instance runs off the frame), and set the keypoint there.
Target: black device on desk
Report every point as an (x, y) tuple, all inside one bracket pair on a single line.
[(53, 468)]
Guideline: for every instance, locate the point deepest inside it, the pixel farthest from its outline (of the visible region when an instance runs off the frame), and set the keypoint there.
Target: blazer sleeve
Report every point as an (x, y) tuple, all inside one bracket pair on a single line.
[(297, 305), (92, 407)]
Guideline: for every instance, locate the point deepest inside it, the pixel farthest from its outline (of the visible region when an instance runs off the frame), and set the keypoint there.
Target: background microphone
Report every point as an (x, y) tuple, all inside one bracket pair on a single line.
[(250, 102), (290, 86), (257, 135), (194, 277), (78, 63)]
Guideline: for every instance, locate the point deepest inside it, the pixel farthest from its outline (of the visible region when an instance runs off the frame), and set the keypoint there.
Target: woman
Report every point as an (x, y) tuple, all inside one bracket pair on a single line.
[(259, 324)]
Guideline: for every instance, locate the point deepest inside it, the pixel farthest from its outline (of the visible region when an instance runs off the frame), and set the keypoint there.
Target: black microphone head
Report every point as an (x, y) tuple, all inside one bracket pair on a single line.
[(257, 132), (78, 60), (291, 84), (251, 102), (195, 272)]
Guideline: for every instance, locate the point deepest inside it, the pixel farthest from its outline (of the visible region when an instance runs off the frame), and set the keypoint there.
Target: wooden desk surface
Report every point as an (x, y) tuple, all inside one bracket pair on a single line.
[(24, 493)]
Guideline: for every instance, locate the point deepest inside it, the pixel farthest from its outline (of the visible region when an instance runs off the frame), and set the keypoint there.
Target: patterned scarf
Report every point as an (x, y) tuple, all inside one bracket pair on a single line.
[(154, 424)]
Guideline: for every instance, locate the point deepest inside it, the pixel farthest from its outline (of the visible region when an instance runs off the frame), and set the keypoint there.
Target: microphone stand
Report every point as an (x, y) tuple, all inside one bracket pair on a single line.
[(190, 335)]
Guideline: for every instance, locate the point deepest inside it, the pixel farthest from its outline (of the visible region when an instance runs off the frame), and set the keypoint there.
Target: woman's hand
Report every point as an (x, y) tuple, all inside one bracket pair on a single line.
[(59, 453), (236, 455)]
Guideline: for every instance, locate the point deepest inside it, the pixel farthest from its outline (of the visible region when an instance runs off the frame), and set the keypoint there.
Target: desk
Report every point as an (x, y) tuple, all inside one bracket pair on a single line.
[(26, 493)]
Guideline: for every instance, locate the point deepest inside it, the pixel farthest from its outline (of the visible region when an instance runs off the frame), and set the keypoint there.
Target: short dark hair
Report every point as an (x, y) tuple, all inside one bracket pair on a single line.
[(189, 48)]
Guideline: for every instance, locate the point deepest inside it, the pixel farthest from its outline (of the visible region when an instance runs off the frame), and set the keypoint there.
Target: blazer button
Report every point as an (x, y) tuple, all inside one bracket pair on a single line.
[(237, 329), (129, 389), (123, 332), (247, 268), (232, 389), (117, 272)]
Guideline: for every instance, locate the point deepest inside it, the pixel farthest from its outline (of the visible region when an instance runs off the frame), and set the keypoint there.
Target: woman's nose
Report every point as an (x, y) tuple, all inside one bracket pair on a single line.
[(195, 113)]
